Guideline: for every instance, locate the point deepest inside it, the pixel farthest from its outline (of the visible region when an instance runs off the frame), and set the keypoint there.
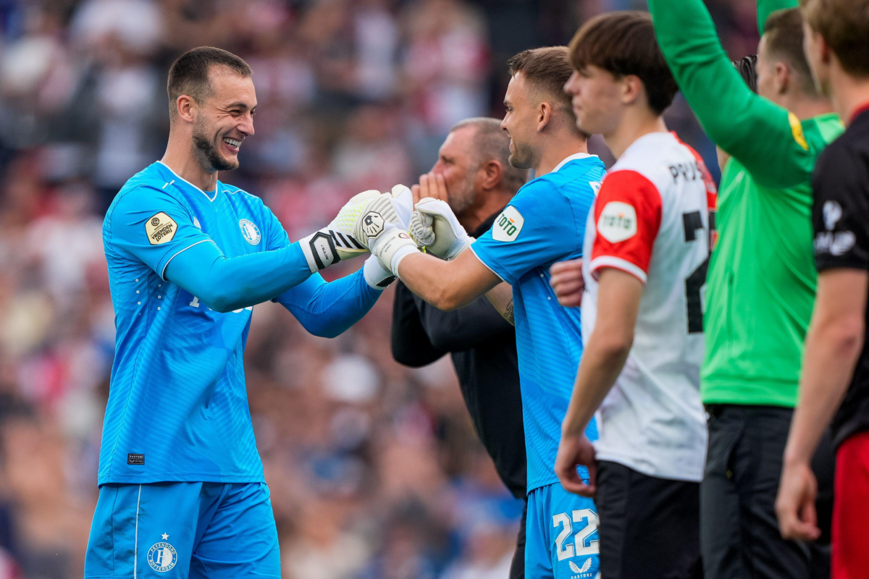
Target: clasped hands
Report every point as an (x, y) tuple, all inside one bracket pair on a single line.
[(390, 226)]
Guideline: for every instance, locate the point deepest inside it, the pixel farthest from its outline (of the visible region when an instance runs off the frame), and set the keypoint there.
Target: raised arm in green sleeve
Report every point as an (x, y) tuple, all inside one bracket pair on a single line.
[(752, 129), (767, 7)]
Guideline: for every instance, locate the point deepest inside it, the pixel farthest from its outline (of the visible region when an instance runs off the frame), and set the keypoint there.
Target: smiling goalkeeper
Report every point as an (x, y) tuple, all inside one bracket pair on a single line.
[(182, 490), (761, 279)]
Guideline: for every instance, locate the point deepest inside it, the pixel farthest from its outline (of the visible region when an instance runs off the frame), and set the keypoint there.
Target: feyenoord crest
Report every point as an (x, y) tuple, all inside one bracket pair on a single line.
[(373, 224), (162, 556), (250, 231)]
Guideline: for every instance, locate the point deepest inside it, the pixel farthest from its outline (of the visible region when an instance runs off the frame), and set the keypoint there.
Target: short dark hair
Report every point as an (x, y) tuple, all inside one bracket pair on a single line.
[(546, 69), (188, 75), (623, 43), (844, 26), (783, 32), (491, 142)]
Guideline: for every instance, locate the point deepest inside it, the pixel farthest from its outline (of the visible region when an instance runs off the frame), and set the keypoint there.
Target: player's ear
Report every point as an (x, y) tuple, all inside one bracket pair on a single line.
[(544, 115), (781, 78), (632, 88), (489, 174), (184, 108)]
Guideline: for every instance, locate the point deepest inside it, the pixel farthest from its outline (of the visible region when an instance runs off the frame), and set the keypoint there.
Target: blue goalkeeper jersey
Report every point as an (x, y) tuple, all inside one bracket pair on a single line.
[(544, 223), (177, 408)]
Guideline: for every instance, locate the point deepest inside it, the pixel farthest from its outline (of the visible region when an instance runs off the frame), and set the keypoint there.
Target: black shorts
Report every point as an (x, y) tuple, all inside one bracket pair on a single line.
[(649, 527)]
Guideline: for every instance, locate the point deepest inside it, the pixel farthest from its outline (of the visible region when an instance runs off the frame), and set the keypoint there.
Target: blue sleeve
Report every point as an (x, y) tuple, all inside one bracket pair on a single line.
[(328, 309), (226, 284), (152, 226), (323, 309), (536, 228)]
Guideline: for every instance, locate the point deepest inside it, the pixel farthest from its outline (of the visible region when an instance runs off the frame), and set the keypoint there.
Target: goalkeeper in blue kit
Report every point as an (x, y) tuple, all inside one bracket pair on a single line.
[(182, 491)]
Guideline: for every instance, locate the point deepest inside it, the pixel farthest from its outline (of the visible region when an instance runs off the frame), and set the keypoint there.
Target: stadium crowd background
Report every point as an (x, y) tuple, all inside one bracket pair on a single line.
[(374, 469)]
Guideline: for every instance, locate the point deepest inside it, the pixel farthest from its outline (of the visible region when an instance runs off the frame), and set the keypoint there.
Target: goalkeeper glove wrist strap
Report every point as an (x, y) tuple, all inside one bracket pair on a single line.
[(320, 251), (391, 244), (377, 276)]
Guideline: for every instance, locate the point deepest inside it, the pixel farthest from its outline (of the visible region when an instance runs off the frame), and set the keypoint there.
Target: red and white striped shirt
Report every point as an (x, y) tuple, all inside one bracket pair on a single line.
[(651, 219)]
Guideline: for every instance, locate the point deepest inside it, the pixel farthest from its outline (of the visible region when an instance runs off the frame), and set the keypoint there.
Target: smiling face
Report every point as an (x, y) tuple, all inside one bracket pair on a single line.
[(520, 121), (596, 99), (224, 119)]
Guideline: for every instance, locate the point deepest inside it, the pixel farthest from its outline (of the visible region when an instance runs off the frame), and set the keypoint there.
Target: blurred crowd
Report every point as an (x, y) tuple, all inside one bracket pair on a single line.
[(374, 469)]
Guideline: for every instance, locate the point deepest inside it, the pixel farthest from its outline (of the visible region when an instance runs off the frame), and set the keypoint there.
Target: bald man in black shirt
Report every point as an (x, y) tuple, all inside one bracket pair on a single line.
[(472, 174)]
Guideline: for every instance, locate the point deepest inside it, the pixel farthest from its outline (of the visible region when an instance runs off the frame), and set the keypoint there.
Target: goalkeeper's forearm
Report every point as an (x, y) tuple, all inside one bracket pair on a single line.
[(329, 309), (226, 284), (752, 129), (767, 7)]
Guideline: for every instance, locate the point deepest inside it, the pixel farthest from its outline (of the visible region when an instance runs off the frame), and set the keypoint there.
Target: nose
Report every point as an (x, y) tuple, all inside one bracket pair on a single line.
[(246, 125), (504, 123)]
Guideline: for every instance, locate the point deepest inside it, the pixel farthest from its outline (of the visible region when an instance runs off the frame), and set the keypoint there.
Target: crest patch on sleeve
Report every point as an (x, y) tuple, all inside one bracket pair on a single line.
[(508, 225), (617, 221), (160, 228)]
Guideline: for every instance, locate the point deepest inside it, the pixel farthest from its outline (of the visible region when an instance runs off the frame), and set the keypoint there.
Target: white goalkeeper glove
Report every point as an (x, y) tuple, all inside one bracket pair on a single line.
[(435, 226), (376, 275), (338, 241), (381, 230)]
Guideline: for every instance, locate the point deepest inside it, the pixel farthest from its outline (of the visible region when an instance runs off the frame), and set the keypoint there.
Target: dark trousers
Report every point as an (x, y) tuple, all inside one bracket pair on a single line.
[(649, 527), (739, 533), (517, 567)]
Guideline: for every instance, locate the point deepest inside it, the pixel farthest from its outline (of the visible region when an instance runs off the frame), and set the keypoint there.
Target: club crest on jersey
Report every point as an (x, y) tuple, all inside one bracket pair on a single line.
[(617, 222), (250, 231), (160, 228), (162, 556), (508, 225)]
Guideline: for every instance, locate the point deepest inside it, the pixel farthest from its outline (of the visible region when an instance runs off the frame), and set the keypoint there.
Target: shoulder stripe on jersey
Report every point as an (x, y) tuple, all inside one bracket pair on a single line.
[(163, 271), (616, 263), (167, 184)]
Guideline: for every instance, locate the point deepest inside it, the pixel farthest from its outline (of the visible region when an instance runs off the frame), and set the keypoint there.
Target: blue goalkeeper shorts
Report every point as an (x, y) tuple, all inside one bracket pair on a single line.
[(561, 539), (181, 530)]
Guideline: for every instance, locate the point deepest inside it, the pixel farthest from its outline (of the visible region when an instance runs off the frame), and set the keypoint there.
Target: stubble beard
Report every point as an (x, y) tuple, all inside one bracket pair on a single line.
[(465, 199), (521, 157), (208, 154)]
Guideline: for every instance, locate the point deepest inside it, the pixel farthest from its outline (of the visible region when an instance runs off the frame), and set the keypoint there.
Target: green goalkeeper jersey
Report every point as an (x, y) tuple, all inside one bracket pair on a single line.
[(761, 280)]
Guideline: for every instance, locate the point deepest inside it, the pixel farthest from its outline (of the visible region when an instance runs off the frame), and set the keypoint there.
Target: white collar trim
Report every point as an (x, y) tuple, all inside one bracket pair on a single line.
[(573, 157), (216, 187)]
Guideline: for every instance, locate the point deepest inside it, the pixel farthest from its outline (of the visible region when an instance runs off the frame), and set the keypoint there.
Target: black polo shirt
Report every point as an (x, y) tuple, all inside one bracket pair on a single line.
[(483, 349)]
